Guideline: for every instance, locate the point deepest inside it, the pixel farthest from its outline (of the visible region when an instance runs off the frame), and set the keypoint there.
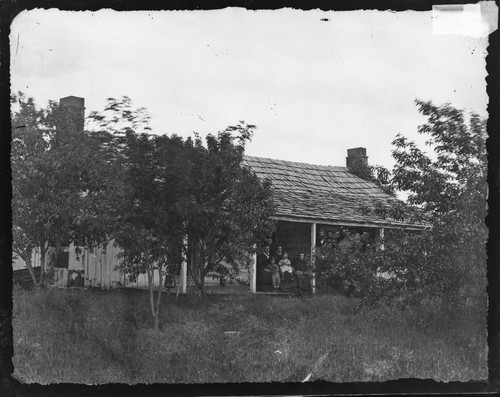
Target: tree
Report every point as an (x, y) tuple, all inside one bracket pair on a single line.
[(151, 222), (440, 185), (230, 208), (447, 191), (154, 172), (374, 173), (451, 187), (57, 176), (120, 117), (139, 229)]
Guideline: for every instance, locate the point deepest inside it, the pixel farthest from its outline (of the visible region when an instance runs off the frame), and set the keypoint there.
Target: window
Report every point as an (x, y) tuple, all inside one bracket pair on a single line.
[(62, 260)]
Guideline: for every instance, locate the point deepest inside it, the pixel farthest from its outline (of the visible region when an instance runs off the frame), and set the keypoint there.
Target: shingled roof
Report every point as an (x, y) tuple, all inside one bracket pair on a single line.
[(319, 193)]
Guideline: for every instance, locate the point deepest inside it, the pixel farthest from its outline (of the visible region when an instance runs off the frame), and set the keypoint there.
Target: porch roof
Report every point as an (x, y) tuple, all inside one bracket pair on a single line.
[(324, 194)]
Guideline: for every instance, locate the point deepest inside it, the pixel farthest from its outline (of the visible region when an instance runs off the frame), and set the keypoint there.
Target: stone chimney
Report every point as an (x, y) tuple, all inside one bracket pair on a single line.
[(73, 112), (356, 156)]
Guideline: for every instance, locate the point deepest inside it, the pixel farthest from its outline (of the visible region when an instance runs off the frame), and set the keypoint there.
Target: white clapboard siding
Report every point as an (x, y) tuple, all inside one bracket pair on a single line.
[(100, 267), (142, 279)]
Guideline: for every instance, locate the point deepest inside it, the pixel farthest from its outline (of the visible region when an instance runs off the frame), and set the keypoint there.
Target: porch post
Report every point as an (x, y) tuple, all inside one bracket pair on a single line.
[(184, 277), (184, 271), (313, 246), (253, 271), (381, 236)]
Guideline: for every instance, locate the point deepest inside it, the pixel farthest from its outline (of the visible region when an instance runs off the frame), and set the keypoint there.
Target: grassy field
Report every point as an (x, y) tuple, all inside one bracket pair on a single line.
[(100, 337)]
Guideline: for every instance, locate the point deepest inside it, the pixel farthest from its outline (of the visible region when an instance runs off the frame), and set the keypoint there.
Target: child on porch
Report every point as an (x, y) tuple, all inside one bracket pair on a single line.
[(275, 270), (286, 265)]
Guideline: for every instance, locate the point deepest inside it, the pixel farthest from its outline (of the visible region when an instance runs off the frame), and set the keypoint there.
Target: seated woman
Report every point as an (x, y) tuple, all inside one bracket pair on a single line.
[(263, 278), (303, 275)]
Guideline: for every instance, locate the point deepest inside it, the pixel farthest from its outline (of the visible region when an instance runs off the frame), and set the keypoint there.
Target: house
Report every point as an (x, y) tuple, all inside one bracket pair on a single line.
[(312, 197), (308, 198), (93, 267)]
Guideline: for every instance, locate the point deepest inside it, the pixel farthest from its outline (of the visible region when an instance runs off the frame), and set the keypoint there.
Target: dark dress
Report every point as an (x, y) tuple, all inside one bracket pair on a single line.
[(264, 279), (272, 247), (303, 276), (287, 279)]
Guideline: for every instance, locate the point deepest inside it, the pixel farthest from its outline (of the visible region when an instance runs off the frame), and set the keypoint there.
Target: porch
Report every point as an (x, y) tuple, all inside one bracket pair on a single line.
[(296, 235)]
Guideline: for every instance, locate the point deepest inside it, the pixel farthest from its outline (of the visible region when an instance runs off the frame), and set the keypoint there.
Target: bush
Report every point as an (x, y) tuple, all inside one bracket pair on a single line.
[(433, 264), (348, 268)]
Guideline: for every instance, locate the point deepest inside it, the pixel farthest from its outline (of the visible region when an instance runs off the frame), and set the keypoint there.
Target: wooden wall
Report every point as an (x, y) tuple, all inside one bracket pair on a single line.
[(99, 265), (142, 279)]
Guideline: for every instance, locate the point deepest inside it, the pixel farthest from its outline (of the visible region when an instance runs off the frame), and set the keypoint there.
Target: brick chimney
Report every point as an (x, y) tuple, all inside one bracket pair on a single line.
[(73, 112), (356, 156)]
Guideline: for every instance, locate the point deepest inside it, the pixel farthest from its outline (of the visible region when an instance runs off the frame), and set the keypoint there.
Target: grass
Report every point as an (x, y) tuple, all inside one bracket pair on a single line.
[(106, 336)]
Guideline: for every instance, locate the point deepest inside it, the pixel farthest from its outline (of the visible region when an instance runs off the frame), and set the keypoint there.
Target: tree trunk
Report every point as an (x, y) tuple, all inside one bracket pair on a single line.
[(202, 287), (54, 261), (158, 301), (42, 265), (151, 293), (193, 268), (201, 275)]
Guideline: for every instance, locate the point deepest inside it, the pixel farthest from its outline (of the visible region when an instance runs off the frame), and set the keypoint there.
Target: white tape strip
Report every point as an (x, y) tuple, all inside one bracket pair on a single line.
[(473, 20)]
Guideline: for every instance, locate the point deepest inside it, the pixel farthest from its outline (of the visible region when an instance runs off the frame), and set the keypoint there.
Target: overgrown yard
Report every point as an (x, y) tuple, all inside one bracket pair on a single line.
[(100, 337)]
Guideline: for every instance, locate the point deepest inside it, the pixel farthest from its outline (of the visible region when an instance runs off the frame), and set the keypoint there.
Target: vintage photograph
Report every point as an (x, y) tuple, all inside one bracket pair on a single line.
[(234, 195)]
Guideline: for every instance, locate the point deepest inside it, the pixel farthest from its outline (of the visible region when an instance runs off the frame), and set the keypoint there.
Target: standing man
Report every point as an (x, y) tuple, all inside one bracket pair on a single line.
[(321, 239), (270, 243), (279, 253)]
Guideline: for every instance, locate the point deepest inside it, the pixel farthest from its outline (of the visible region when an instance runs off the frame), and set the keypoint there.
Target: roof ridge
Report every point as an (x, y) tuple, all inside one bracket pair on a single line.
[(246, 156)]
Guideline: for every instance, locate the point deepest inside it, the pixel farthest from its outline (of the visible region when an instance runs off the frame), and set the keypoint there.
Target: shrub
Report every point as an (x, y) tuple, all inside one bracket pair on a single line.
[(442, 263), (348, 268)]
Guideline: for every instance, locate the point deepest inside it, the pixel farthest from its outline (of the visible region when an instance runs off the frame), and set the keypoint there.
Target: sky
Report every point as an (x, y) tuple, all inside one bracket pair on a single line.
[(314, 83)]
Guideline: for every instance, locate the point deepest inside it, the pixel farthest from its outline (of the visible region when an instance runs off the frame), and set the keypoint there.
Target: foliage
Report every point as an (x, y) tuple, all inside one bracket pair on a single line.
[(360, 267), (451, 187), (148, 223), (120, 117), (152, 211), (173, 188), (374, 173), (447, 192), (230, 207), (396, 210), (57, 177), (457, 173), (348, 268)]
